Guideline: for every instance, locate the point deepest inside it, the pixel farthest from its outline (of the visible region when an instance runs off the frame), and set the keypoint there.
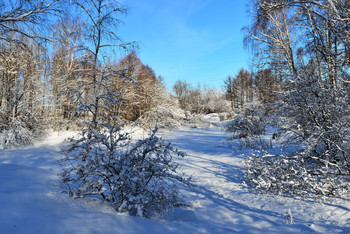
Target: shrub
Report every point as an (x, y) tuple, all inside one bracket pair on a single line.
[(280, 174), (140, 178), (316, 127), (20, 130), (251, 121)]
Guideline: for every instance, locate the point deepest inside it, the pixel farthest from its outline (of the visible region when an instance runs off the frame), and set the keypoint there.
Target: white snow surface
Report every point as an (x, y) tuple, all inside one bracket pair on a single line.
[(31, 201)]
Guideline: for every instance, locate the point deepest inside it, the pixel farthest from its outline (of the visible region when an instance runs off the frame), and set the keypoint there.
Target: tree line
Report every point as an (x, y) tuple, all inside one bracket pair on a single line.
[(50, 58), (246, 87)]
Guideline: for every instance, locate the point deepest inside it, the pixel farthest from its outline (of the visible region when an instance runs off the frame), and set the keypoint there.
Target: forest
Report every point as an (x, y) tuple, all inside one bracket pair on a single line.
[(61, 69)]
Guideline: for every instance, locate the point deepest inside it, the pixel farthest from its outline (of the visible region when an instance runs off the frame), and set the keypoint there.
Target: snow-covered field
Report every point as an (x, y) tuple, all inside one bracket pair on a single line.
[(30, 200)]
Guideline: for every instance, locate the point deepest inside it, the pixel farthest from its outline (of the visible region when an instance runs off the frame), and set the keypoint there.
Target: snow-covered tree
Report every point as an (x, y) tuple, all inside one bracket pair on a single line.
[(67, 66), (19, 130), (306, 43), (315, 136), (17, 16), (285, 35), (21, 75)]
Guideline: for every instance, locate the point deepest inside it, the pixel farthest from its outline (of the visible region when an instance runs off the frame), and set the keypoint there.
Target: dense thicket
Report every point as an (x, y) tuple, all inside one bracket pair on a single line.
[(305, 45), (23, 68)]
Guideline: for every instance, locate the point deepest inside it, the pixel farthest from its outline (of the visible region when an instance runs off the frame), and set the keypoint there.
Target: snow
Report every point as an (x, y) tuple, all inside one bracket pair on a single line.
[(31, 201)]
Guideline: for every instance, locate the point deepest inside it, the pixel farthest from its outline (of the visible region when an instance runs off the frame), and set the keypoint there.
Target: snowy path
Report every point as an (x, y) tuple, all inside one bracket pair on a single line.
[(222, 204), (31, 203)]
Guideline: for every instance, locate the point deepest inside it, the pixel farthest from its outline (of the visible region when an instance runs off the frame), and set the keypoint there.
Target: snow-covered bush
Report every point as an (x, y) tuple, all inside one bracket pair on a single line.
[(141, 178), (19, 130), (248, 122), (318, 116), (316, 127), (214, 102), (255, 142), (161, 117), (281, 174), (167, 115), (15, 135)]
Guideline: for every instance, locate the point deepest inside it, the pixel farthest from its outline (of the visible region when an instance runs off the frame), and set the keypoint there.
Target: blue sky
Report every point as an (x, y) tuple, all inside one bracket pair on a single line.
[(199, 41)]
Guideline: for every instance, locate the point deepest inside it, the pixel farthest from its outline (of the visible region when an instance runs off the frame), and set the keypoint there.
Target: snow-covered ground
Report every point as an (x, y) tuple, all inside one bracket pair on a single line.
[(30, 201)]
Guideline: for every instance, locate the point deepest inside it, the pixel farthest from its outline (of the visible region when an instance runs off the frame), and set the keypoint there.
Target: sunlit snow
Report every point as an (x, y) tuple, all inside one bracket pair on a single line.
[(31, 201)]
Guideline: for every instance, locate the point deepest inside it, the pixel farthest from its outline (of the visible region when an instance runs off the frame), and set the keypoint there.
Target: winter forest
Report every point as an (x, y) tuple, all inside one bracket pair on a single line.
[(92, 141)]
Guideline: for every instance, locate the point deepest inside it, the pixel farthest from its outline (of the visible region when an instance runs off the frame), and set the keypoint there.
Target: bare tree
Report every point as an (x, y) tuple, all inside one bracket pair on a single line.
[(18, 21), (230, 93), (67, 65), (239, 90), (272, 35), (100, 18), (21, 73), (182, 90), (23, 63), (18, 16), (267, 86), (286, 35)]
